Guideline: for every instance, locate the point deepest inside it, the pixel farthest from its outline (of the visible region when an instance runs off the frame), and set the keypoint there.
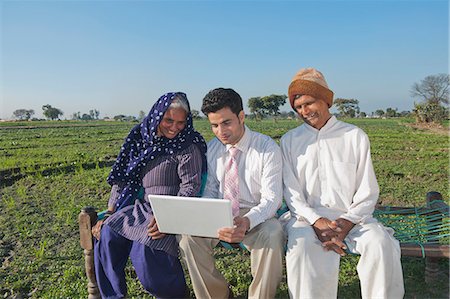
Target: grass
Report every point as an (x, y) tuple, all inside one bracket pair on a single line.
[(49, 171)]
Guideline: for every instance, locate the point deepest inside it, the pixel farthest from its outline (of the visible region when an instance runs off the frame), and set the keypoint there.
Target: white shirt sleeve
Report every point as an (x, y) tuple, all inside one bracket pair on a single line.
[(367, 190), (293, 194), (270, 186)]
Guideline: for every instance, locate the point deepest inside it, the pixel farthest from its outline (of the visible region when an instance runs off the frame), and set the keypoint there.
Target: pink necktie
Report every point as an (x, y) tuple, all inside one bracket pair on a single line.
[(231, 182)]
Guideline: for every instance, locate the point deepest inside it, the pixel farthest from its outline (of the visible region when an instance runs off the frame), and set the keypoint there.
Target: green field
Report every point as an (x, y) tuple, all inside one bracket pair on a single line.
[(50, 170)]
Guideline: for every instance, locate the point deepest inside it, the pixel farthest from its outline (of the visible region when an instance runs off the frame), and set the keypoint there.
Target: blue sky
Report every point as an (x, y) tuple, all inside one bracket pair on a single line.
[(119, 56)]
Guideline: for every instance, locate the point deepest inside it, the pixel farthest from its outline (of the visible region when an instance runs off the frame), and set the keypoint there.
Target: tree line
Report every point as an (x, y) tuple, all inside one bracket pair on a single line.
[(433, 91), (49, 112)]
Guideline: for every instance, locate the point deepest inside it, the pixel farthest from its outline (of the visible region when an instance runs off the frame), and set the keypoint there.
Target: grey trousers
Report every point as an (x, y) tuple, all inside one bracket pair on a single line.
[(266, 244)]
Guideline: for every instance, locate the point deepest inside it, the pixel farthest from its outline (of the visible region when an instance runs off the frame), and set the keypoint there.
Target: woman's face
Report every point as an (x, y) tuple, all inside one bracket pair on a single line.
[(172, 123)]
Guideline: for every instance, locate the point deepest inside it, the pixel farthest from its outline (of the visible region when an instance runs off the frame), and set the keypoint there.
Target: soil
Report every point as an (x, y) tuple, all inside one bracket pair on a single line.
[(432, 127)]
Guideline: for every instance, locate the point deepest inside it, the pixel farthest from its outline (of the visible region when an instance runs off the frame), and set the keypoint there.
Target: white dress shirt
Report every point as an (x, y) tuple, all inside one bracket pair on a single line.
[(259, 168), (329, 173)]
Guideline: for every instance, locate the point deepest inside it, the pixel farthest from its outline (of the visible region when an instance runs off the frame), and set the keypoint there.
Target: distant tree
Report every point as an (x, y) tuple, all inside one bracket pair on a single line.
[(291, 114), (120, 117), (23, 114), (428, 112), (141, 115), (390, 112), (347, 107), (405, 113), (76, 116), (379, 112), (362, 115), (434, 92), (433, 88), (87, 116), (51, 112), (273, 103), (256, 107), (94, 113), (195, 114)]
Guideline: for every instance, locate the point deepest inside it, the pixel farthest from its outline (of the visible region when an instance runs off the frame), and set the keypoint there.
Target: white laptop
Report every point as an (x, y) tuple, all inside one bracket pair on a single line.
[(197, 216)]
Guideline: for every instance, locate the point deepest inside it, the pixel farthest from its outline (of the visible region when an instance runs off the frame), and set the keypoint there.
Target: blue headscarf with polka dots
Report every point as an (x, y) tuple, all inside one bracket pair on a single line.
[(143, 145)]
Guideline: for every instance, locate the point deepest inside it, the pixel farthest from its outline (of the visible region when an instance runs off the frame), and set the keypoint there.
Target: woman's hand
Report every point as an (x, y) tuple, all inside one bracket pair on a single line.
[(96, 229), (153, 230), (98, 226)]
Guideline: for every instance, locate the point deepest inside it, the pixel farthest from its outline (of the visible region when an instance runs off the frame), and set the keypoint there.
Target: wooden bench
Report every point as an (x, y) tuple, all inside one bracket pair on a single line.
[(422, 232)]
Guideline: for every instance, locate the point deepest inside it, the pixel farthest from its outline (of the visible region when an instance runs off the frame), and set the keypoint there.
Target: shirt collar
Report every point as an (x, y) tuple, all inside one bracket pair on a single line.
[(242, 144), (329, 124)]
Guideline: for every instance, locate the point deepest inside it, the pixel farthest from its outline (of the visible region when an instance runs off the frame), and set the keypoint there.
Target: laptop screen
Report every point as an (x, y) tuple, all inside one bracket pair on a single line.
[(197, 216)]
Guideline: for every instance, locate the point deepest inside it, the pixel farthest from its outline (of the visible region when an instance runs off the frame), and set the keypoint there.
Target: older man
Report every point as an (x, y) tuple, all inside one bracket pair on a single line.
[(331, 190)]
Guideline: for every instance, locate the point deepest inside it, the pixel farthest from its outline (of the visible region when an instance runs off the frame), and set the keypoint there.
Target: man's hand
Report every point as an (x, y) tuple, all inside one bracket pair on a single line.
[(96, 229), (325, 229), (336, 245), (336, 241), (237, 233), (153, 230)]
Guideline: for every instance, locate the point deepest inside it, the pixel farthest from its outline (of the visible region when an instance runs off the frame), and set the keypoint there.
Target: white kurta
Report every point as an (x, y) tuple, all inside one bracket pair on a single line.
[(329, 173)]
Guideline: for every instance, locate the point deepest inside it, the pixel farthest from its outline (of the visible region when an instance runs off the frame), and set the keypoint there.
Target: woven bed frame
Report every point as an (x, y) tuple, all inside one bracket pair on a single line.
[(422, 231)]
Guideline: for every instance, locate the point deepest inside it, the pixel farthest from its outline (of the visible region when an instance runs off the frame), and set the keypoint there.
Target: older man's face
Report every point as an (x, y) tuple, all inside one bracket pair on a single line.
[(313, 111)]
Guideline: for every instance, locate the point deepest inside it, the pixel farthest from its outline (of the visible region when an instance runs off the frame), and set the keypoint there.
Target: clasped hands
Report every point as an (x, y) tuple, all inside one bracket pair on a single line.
[(333, 233)]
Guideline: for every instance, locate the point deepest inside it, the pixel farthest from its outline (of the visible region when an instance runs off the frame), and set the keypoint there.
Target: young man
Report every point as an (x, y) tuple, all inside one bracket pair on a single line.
[(243, 166), (331, 190)]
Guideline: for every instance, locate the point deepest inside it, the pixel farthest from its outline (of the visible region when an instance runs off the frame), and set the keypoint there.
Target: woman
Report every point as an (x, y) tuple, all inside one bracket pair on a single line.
[(162, 155)]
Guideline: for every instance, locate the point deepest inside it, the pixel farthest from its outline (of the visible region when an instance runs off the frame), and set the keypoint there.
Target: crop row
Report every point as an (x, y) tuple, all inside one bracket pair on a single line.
[(51, 177), (407, 161)]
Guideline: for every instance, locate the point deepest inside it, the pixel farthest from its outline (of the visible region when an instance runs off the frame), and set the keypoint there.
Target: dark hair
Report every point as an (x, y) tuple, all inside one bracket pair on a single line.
[(220, 98)]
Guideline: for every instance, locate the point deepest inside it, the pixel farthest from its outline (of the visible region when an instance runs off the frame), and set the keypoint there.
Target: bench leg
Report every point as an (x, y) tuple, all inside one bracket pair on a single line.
[(93, 292), (87, 218), (432, 263), (431, 269)]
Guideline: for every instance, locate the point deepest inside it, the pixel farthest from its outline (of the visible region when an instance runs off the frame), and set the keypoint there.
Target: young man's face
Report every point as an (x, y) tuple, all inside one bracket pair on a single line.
[(313, 111), (227, 126)]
